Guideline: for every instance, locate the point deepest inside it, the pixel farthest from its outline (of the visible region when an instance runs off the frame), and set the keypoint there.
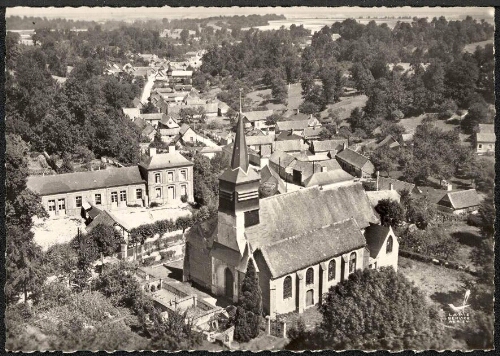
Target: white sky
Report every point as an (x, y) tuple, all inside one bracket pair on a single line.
[(104, 13)]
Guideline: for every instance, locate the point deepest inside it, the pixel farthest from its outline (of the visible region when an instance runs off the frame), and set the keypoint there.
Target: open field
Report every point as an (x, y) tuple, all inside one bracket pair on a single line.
[(471, 47), (346, 105), (56, 231), (294, 98)]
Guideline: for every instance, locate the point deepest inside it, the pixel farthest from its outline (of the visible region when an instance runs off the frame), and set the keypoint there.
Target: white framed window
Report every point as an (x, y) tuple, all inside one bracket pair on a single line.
[(52, 205), (352, 262), (183, 190), (480, 145), (287, 287), (388, 247), (184, 174), (157, 178), (123, 195), (114, 197), (158, 192), (78, 202), (138, 193), (61, 204), (97, 199), (170, 176)]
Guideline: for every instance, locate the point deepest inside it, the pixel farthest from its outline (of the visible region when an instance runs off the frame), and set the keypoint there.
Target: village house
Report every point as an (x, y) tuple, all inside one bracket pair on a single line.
[(383, 246), (210, 152), (262, 144), (384, 183), (388, 141), (312, 133), (110, 189), (153, 118), (147, 130), (297, 127), (132, 113), (258, 119), (326, 179), (303, 169), (272, 179), (328, 148), (460, 202), (300, 243), (290, 146), (169, 176), (485, 139), (355, 163), (288, 136), (377, 195)]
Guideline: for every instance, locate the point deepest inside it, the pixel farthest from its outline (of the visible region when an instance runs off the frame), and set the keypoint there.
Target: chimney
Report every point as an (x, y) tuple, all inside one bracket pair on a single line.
[(449, 187), (291, 132), (378, 175), (171, 149), (297, 111), (344, 145), (324, 169), (391, 186), (152, 151)]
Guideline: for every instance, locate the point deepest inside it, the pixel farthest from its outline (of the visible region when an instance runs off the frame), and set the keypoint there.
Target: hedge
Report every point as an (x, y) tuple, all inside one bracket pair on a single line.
[(441, 262), (167, 255), (148, 261)]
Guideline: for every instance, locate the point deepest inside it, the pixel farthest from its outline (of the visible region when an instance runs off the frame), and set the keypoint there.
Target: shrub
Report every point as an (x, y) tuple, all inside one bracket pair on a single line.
[(184, 198), (154, 204), (167, 255), (148, 261)]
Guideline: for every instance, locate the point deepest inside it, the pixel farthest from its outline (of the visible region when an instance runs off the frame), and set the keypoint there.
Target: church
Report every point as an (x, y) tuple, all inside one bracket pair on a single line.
[(301, 242)]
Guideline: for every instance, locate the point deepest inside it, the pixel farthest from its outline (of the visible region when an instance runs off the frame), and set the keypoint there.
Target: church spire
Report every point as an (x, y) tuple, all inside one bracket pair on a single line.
[(240, 151)]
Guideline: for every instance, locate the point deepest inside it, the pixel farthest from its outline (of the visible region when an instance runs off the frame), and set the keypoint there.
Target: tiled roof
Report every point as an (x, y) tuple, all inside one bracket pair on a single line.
[(104, 218), (132, 112), (461, 199), (486, 128), (165, 160), (296, 213), (398, 185), (154, 116), (286, 135), (281, 158), (253, 116), (353, 158), (288, 145), (80, 181), (268, 174), (328, 177), (291, 125), (328, 145), (313, 246), (375, 236), (169, 132), (312, 131), (376, 196), (259, 140), (388, 140), (486, 137), (184, 129)]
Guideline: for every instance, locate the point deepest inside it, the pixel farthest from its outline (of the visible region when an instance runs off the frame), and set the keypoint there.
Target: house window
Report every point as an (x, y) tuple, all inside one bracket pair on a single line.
[(78, 201), (331, 270), (157, 178), (191, 139), (114, 197), (52, 205), (287, 287), (480, 146), (97, 199), (352, 262), (123, 195), (183, 190), (388, 247), (138, 194), (183, 174), (310, 276), (61, 204), (158, 192), (170, 176)]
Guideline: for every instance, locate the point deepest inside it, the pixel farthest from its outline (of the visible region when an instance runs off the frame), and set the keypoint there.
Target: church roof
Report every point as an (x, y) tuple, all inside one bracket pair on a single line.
[(311, 247), (295, 213)]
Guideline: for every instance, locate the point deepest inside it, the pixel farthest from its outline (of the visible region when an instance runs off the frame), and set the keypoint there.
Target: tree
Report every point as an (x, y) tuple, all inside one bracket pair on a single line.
[(483, 174), (385, 159), (248, 315), (279, 91), (184, 36), (308, 108), (487, 216), (106, 238), (379, 310), (274, 118), (478, 114), (419, 211), (362, 77), (391, 212)]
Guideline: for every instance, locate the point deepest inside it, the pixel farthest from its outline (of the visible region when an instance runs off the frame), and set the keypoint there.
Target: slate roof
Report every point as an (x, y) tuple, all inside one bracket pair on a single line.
[(298, 212), (311, 247), (328, 145), (286, 135), (154, 116), (184, 128), (253, 116), (388, 140), (376, 196), (461, 199), (375, 236), (165, 160), (288, 145), (328, 177), (259, 140), (80, 181), (169, 132), (486, 137), (291, 125), (353, 158)]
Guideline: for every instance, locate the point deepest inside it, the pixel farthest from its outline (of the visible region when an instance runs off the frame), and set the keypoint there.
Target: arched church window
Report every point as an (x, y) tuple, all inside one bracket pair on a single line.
[(287, 287)]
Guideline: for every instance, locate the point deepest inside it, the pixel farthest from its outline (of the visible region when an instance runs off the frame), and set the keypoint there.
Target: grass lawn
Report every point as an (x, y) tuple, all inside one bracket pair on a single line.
[(346, 105), (294, 98), (472, 46)]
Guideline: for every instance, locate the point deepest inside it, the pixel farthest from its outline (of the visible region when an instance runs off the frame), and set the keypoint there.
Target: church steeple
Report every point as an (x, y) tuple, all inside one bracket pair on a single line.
[(240, 150)]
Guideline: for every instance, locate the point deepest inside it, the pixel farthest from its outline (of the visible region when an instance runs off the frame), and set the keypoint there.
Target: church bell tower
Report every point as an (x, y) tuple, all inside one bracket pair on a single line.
[(238, 196)]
